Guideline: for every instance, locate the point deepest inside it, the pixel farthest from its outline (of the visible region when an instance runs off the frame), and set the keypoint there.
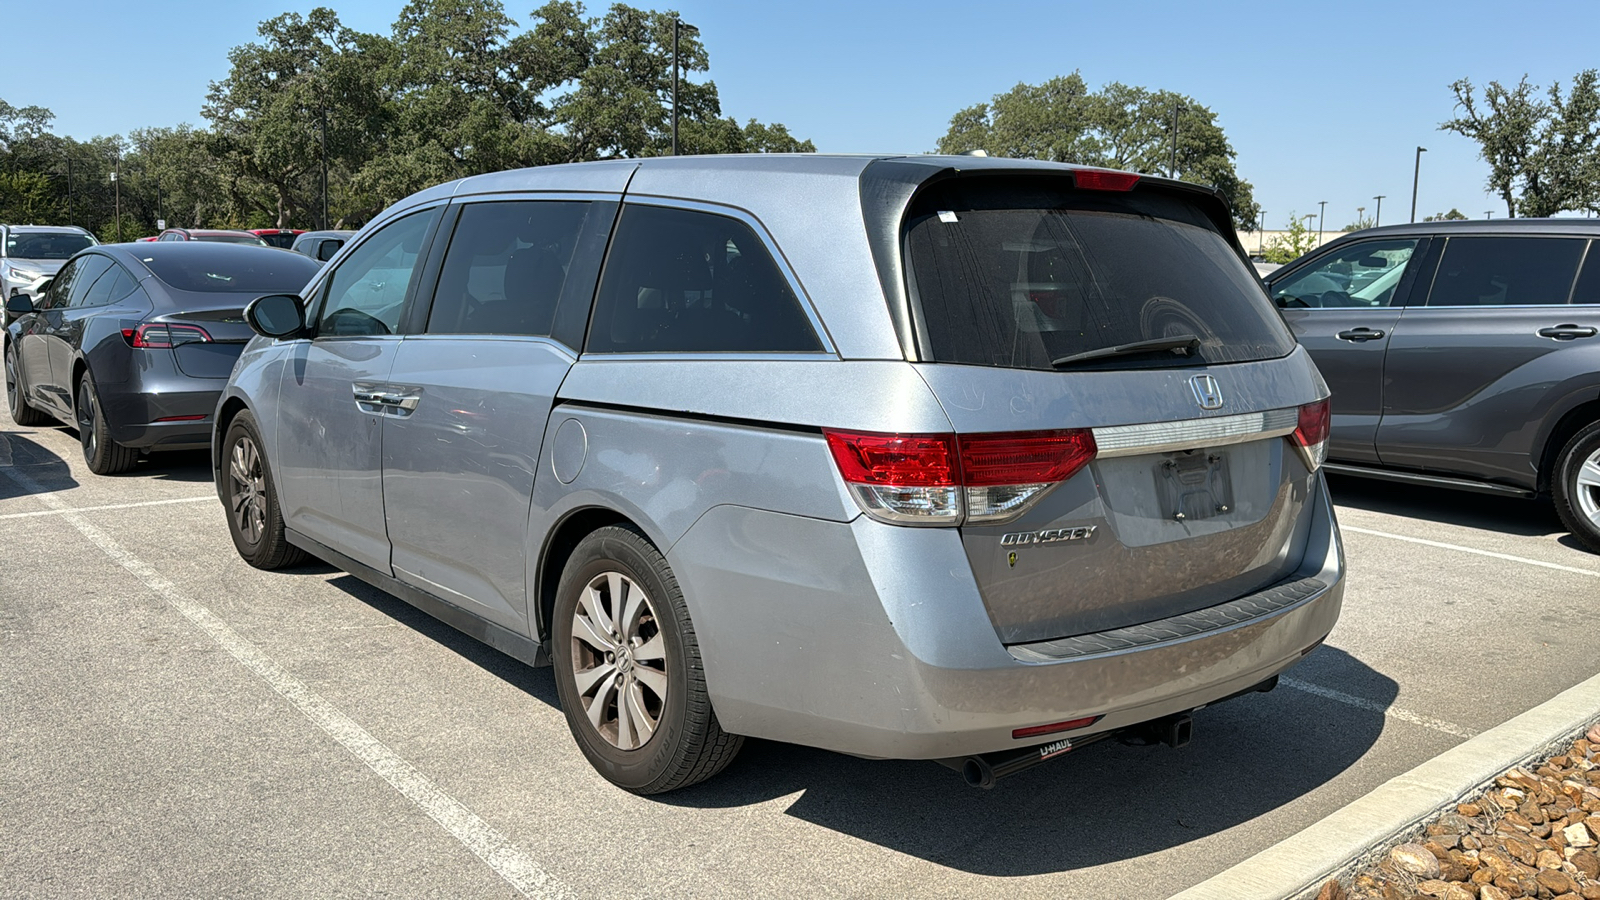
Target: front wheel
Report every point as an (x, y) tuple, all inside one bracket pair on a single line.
[(1575, 486), (254, 518), (628, 669), (104, 456)]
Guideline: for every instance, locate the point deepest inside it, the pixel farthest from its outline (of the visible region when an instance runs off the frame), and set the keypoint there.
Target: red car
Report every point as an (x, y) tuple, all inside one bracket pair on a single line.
[(282, 238), (220, 235)]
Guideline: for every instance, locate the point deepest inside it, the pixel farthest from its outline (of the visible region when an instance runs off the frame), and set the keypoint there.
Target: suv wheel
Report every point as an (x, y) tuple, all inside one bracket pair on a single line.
[(254, 518), (21, 412), (628, 669), (1576, 486), (104, 456)]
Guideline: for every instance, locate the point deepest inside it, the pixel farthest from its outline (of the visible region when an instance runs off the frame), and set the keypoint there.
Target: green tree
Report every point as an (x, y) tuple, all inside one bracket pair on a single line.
[(1120, 126), (1543, 154), (27, 197), (1454, 215), (1297, 241)]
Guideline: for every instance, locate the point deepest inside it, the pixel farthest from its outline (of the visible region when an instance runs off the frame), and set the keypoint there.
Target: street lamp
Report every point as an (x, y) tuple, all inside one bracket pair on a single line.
[(1416, 173), (1377, 217), (1488, 214), (1320, 214), (1173, 171), (677, 26), (117, 190), (1261, 235)]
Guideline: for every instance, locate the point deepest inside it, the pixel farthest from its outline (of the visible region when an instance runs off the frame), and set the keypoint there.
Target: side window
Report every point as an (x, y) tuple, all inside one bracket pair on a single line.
[(89, 269), (505, 267), (366, 294), (687, 281), (1506, 271), (1362, 274), (56, 297), (1588, 290), (112, 286)]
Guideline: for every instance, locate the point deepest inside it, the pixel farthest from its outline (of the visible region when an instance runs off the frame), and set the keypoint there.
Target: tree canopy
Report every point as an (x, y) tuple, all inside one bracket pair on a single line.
[(455, 88), (1543, 151), (1118, 126)]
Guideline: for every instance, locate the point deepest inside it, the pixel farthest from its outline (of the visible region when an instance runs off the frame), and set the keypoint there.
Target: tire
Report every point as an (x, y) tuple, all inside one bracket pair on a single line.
[(250, 498), (21, 412), (684, 745), (104, 456), (1575, 486)]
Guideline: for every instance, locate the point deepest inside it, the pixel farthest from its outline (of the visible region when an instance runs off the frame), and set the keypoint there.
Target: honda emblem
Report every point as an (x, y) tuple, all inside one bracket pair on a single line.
[(1206, 392)]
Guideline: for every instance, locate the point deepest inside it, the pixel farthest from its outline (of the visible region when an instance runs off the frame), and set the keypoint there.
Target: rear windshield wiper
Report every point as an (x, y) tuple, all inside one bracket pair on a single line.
[(1183, 344)]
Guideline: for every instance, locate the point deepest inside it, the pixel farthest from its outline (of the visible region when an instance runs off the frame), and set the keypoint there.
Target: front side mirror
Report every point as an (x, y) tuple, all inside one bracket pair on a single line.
[(275, 316), (327, 249), (19, 304)]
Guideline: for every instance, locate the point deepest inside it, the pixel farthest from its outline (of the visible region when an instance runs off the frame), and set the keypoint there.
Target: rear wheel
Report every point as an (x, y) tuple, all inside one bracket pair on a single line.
[(1575, 487), (21, 412), (104, 456), (254, 518), (628, 669)]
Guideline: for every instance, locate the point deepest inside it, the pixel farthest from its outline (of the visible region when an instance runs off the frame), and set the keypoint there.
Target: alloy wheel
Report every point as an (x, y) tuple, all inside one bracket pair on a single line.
[(1587, 488), (13, 385), (247, 496), (91, 441), (619, 660)]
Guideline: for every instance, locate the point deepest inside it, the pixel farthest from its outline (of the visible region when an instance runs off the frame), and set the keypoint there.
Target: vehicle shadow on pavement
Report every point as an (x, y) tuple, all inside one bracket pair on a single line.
[(1509, 515), (27, 458), (1105, 803), (187, 466)]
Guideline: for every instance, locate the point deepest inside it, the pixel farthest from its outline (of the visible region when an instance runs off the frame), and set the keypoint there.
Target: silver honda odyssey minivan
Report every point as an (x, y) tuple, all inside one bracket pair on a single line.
[(969, 460)]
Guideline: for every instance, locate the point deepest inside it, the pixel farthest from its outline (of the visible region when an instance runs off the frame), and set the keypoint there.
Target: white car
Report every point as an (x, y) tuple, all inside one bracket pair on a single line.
[(32, 254)]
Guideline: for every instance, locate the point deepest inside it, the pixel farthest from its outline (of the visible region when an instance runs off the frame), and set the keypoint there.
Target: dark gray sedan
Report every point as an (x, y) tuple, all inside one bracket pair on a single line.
[(132, 343), (1461, 354)]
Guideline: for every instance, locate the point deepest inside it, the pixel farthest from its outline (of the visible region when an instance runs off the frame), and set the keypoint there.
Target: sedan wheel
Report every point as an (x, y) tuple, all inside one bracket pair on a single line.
[(104, 455)]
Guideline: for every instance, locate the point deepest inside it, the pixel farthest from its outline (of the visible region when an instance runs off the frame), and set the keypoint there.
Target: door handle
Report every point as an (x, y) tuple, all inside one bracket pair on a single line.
[(370, 398), (1568, 332), (1358, 335)]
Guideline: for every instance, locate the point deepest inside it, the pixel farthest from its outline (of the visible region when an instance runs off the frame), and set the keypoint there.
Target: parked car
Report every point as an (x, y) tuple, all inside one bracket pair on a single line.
[(975, 460), (320, 245), (30, 255), (132, 343), (282, 238), (1461, 355), (213, 235)]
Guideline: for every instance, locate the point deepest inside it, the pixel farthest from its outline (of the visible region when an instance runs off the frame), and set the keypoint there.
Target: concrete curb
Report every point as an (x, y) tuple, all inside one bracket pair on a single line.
[(1350, 839)]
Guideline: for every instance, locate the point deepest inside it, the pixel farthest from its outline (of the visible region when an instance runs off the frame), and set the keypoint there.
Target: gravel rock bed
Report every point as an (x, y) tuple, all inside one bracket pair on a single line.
[(1531, 834)]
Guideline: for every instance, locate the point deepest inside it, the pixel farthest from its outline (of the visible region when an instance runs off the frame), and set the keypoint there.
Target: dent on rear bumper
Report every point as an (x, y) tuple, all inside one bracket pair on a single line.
[(806, 641)]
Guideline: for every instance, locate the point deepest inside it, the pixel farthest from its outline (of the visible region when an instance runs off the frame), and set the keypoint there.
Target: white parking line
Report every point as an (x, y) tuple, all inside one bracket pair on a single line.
[(507, 860), (81, 509), (1489, 553), (1393, 712)]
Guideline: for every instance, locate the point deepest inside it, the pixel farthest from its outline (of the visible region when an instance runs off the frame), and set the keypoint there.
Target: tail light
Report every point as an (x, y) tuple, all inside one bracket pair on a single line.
[(1311, 434), (1103, 180), (946, 479), (162, 335)]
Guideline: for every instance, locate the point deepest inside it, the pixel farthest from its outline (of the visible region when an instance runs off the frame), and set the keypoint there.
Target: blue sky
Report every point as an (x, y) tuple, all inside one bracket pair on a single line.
[(1322, 101)]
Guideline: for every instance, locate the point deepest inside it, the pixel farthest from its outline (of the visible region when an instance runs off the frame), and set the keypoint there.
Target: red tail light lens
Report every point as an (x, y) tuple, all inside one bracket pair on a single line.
[(1102, 180), (1069, 725), (1311, 434), (943, 479), (162, 335)]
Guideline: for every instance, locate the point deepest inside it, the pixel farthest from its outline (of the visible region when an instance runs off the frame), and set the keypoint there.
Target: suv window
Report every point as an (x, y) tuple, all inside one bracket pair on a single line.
[(688, 281), (89, 268), (1506, 271), (1017, 272), (505, 267), (45, 245), (366, 294), (1588, 290), (1363, 274)]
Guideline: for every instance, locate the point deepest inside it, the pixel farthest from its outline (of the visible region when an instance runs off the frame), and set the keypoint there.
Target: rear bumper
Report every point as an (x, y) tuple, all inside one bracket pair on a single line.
[(873, 640), (156, 390)]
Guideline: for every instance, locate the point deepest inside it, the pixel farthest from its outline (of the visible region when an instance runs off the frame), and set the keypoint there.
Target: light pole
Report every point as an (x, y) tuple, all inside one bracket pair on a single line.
[(1488, 214), (1416, 173), (1377, 217), (1261, 235), (677, 26), (322, 139), (117, 191), (1173, 171), (1321, 214)]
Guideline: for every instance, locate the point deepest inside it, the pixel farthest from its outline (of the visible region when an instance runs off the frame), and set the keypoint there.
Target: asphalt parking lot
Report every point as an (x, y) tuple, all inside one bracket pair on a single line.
[(179, 724)]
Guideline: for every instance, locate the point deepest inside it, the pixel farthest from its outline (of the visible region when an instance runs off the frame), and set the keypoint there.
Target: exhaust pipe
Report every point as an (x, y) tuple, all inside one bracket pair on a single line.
[(983, 770)]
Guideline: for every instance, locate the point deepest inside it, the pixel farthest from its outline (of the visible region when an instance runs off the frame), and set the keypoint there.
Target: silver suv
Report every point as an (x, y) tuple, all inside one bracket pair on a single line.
[(935, 458), (30, 255)]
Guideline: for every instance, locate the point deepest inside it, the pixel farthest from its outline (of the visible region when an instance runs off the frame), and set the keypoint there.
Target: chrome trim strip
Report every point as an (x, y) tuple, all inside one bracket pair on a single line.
[(1157, 437), (706, 356)]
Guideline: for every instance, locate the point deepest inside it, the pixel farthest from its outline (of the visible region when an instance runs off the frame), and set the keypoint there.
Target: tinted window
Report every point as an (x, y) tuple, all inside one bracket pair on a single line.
[(368, 291), (1017, 273), (1588, 290), (109, 287), (212, 268), (246, 239), (1505, 271), (61, 284), (90, 268), (678, 280), (505, 267), (1364, 274), (45, 246), (281, 240)]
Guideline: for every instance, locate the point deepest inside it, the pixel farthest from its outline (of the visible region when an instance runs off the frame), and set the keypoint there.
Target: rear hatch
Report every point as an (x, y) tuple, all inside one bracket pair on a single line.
[(1125, 315), (205, 342)]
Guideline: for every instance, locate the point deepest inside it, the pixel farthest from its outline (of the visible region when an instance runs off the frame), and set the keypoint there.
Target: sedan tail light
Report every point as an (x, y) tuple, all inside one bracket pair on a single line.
[(1311, 434), (946, 479), (162, 335)]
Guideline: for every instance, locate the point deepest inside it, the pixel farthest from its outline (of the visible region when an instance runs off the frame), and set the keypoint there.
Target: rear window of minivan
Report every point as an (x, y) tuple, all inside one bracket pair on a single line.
[(1017, 273)]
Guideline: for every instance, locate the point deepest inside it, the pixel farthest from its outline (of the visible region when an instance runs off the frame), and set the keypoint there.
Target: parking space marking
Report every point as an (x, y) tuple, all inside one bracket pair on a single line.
[(1393, 712), (507, 860), (83, 509), (1489, 553)]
